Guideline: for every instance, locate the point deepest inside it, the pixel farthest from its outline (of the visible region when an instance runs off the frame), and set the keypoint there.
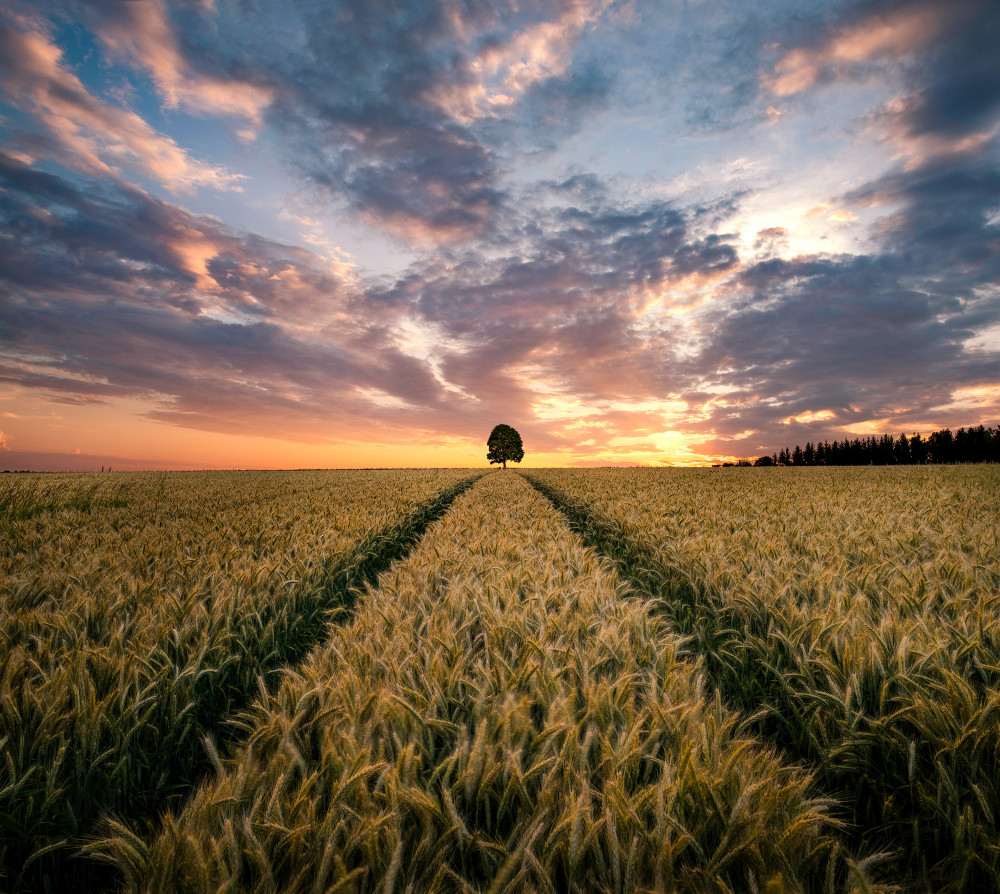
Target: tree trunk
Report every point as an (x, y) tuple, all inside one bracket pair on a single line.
[(505, 464)]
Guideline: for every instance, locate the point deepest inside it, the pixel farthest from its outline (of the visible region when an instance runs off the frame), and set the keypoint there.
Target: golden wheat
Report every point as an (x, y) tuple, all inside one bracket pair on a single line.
[(138, 612), (497, 716), (856, 611)]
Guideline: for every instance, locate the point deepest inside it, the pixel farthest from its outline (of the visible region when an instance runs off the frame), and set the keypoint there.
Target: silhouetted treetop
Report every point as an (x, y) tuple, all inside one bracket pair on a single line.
[(504, 443)]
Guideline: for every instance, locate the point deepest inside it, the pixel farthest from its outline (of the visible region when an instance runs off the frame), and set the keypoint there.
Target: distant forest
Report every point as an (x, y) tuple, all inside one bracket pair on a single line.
[(967, 445)]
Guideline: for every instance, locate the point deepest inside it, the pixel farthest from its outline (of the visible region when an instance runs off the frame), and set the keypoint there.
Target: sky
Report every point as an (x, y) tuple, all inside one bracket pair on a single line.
[(303, 234)]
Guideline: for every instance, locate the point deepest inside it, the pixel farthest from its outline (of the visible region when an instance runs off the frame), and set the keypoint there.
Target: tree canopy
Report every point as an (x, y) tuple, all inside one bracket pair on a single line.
[(503, 444)]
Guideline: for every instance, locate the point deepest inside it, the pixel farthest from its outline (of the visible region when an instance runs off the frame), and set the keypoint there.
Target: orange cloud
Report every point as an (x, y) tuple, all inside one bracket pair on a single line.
[(685, 293), (893, 122), (770, 237), (808, 416), (93, 135), (193, 250), (494, 78), (142, 34), (891, 35), (418, 230)]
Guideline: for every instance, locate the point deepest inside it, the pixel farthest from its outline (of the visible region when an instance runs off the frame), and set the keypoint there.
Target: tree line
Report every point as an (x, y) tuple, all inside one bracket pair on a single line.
[(977, 444)]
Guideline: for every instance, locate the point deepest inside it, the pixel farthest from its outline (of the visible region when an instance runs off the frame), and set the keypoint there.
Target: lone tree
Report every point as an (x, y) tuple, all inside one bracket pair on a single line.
[(504, 444)]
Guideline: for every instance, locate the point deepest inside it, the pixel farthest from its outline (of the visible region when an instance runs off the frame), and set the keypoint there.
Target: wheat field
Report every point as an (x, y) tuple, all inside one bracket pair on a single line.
[(138, 613), (857, 612), (551, 680)]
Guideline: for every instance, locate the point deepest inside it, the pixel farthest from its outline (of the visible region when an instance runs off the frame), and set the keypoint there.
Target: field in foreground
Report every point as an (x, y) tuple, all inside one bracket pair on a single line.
[(766, 679)]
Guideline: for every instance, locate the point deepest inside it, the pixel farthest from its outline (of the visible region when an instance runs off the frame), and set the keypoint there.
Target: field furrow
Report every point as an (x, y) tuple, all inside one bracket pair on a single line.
[(138, 617), (853, 614), (495, 716)]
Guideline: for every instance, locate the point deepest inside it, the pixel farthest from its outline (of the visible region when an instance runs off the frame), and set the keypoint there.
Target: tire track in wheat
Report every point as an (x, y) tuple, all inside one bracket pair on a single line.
[(112, 729), (865, 648), (496, 716)]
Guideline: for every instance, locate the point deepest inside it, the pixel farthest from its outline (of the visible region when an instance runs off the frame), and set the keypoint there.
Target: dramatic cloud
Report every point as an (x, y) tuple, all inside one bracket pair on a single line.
[(943, 56), (881, 338), (637, 233), (875, 36), (86, 132), (213, 326), (142, 34), (499, 70), (405, 118)]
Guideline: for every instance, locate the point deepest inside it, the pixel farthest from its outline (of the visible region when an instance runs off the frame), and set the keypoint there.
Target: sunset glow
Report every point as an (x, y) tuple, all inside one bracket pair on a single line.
[(665, 234)]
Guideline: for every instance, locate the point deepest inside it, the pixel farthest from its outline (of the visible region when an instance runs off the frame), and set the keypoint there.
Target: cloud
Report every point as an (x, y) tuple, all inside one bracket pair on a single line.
[(573, 323), (944, 215), (951, 102), (3, 443), (107, 298), (817, 345), (499, 71), (876, 34), (87, 133), (405, 119), (408, 121), (943, 61), (218, 329), (894, 123), (586, 310), (143, 34), (570, 321), (770, 238)]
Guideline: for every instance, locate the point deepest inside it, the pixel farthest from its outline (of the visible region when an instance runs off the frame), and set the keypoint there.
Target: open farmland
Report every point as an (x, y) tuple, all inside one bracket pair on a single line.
[(645, 679), (139, 612), (856, 614)]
